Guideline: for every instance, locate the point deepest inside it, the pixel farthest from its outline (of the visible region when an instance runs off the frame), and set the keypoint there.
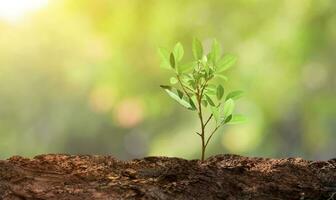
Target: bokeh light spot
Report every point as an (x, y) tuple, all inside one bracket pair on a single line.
[(129, 113)]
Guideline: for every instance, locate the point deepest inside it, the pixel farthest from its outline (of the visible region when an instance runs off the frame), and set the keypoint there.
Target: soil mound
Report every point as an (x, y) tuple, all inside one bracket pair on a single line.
[(230, 177)]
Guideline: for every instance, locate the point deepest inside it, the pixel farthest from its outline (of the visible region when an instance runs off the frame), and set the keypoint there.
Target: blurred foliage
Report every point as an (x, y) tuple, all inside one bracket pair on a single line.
[(82, 76)]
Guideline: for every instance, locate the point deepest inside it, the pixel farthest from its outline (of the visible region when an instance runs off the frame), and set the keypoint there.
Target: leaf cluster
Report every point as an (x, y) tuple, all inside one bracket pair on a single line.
[(194, 84)]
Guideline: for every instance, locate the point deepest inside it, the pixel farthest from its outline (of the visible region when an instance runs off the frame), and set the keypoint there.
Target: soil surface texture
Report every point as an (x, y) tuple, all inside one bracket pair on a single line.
[(229, 177)]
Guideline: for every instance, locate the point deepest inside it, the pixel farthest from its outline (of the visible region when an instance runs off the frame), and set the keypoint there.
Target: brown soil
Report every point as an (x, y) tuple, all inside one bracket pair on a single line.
[(220, 177)]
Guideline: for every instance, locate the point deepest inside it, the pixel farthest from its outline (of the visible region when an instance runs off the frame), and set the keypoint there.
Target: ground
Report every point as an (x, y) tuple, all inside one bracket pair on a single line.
[(230, 177)]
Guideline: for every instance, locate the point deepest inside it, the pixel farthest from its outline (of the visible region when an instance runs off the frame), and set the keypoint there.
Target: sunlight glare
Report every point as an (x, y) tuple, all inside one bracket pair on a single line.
[(13, 10)]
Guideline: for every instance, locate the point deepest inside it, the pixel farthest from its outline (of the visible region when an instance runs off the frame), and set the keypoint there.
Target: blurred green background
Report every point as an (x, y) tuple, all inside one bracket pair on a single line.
[(83, 76)]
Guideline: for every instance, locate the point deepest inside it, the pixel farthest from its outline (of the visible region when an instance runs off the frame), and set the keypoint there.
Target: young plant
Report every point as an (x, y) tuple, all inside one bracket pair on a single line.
[(195, 86)]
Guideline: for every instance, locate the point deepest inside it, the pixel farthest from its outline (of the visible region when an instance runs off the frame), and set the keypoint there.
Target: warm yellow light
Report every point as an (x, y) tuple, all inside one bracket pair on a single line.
[(13, 10)]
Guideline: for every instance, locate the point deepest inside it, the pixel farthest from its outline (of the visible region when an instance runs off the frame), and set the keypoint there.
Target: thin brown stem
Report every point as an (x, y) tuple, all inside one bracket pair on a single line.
[(210, 117), (199, 94), (200, 115), (208, 120)]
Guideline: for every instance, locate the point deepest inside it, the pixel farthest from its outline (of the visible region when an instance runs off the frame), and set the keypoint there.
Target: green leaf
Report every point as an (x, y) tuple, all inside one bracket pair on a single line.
[(220, 92), (224, 78), (237, 119), (228, 119), (173, 80), (186, 67), (176, 95), (192, 104), (164, 55), (180, 93), (178, 52), (211, 89), (209, 100), (225, 63), (235, 94), (228, 107), (172, 60), (186, 79), (215, 113), (197, 49), (204, 103)]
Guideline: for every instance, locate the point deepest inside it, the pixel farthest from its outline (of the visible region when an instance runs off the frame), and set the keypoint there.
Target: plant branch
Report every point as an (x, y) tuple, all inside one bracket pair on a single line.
[(191, 90), (203, 87), (206, 123), (183, 86), (208, 120), (212, 133)]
